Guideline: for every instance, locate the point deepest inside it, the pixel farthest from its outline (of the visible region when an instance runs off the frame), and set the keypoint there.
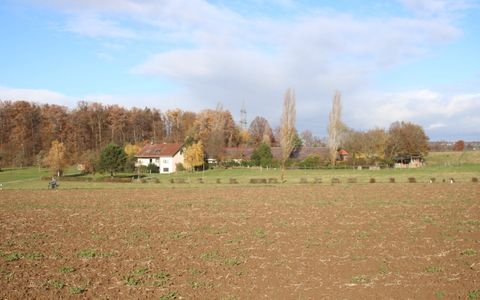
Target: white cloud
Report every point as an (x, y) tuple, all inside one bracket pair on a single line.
[(439, 114), (35, 95), (232, 57), (93, 26), (436, 7)]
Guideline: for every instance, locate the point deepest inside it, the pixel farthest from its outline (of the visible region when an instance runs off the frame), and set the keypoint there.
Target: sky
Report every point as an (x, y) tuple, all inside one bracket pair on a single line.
[(392, 60)]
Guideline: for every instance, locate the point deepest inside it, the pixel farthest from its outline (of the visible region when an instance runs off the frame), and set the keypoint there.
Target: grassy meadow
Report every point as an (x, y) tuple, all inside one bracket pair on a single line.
[(462, 166)]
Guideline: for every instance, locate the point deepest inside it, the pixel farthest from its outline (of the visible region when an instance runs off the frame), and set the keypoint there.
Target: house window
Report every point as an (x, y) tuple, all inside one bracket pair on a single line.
[(165, 161), (165, 170), (150, 160)]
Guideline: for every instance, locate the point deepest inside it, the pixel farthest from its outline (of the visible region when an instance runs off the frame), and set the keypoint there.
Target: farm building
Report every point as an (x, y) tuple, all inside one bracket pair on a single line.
[(409, 161), (342, 155), (165, 156)]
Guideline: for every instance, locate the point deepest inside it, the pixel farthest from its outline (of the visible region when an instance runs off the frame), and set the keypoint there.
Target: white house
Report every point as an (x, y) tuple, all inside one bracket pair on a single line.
[(165, 156)]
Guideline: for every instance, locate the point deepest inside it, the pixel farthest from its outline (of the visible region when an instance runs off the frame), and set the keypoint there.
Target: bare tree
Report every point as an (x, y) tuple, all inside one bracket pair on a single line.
[(260, 131), (287, 128), (335, 127)]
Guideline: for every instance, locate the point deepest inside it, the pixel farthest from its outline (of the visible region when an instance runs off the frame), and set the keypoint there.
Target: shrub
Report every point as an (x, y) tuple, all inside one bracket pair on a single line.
[(180, 167), (233, 181), (152, 168), (412, 180), (372, 180), (258, 180), (391, 180), (272, 180), (474, 179), (311, 162)]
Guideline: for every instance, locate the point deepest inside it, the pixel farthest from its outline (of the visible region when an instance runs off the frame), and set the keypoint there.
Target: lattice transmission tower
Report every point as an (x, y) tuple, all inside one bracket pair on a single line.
[(243, 117)]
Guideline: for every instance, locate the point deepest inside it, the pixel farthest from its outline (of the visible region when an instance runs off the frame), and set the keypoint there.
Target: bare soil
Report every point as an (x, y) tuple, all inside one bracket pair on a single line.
[(376, 241)]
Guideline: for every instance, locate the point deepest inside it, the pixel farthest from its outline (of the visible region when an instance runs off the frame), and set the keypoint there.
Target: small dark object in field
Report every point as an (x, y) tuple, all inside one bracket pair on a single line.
[(219, 180), (372, 180), (432, 180), (474, 179), (272, 180), (317, 180), (53, 184), (352, 180), (335, 180), (303, 180), (451, 180), (233, 181), (392, 180), (178, 180), (258, 180), (412, 179)]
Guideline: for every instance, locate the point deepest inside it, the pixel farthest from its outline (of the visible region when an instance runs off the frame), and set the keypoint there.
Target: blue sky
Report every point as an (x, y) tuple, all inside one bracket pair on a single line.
[(411, 60)]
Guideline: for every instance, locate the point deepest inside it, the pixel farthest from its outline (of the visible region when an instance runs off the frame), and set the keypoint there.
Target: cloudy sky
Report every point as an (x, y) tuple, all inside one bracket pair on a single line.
[(411, 60)]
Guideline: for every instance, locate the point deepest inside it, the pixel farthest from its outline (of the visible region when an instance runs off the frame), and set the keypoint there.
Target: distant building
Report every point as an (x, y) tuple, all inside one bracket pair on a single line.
[(165, 156), (342, 155), (409, 161)]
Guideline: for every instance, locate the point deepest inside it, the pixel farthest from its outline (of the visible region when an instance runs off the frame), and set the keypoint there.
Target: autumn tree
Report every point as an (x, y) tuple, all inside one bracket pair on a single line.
[(287, 128), (56, 158), (405, 138), (54, 124), (374, 144), (131, 150), (89, 162), (112, 158), (260, 131), (194, 156), (117, 118), (353, 142), (459, 145), (335, 127), (216, 129)]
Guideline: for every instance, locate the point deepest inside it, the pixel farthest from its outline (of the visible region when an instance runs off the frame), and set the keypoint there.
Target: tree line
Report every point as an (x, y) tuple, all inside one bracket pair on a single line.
[(34, 134)]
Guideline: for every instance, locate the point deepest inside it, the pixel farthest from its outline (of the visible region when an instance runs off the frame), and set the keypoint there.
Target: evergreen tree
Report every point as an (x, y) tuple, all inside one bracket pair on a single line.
[(112, 158), (262, 156)]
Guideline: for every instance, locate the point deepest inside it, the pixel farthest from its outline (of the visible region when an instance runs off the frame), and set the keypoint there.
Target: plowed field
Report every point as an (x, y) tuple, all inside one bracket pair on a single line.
[(377, 241)]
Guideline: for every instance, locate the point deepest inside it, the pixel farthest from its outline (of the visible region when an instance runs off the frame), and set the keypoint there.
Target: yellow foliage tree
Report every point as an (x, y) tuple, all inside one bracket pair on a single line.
[(131, 149), (56, 158), (194, 155)]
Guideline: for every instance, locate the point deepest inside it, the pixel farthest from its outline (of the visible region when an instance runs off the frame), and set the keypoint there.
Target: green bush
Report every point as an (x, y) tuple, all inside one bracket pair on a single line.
[(262, 156), (153, 168), (311, 162)]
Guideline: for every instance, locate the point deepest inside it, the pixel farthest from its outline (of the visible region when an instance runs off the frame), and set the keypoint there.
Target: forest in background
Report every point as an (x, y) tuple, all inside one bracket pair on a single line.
[(28, 131)]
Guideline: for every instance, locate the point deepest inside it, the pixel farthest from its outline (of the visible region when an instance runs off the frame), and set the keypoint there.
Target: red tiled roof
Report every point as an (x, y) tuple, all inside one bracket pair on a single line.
[(343, 152), (158, 150)]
